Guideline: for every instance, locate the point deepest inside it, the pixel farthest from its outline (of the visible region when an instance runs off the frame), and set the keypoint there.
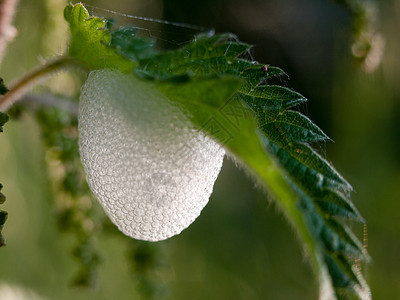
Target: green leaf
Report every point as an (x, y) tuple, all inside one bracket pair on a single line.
[(275, 98), (289, 126), (89, 40), (127, 44), (334, 203), (256, 127), (196, 59), (236, 102), (316, 174)]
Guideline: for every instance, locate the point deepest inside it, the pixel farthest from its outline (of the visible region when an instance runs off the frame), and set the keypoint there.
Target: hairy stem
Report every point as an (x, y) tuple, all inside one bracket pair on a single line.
[(7, 31), (23, 85)]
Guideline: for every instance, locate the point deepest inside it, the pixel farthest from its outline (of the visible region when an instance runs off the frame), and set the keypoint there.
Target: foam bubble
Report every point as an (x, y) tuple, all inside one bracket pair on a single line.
[(151, 170)]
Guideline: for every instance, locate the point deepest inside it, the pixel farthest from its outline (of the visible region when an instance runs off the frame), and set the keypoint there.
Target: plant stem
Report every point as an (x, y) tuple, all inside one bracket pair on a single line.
[(23, 85), (7, 31)]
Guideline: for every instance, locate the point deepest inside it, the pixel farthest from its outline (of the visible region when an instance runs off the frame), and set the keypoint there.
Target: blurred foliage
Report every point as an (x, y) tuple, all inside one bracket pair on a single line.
[(74, 203), (3, 214), (146, 266), (368, 43), (3, 88), (3, 218), (239, 248), (3, 119)]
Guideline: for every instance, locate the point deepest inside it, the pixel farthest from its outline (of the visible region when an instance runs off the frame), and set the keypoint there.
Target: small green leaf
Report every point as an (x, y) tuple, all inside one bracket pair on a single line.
[(89, 40)]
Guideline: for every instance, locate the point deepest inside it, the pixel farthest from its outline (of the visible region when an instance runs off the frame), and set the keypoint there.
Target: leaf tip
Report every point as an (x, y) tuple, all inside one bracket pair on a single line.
[(77, 10)]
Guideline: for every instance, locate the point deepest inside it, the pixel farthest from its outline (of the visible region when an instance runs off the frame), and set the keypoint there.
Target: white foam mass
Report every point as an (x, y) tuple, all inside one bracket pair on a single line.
[(151, 170)]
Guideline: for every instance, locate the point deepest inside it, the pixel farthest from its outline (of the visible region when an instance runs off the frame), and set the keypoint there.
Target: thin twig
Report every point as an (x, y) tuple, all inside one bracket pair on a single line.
[(23, 85), (7, 31)]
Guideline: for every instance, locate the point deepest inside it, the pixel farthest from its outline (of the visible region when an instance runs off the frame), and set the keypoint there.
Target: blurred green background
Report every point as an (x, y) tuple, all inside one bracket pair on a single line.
[(240, 247)]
